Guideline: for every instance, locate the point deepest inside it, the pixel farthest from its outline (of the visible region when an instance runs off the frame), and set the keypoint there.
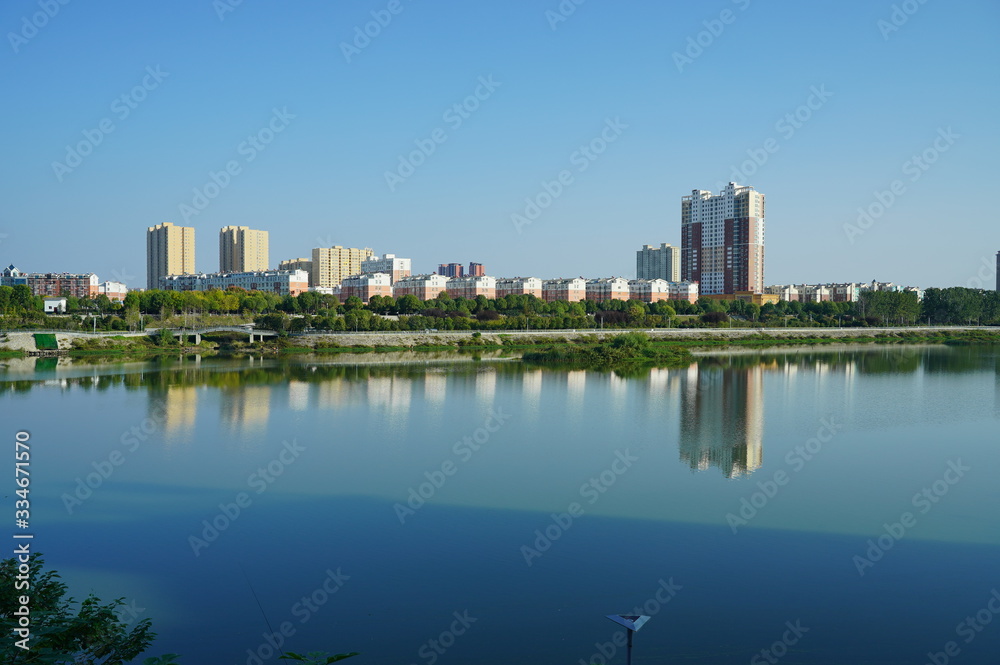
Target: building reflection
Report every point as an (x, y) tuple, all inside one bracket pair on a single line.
[(180, 406), (722, 419), (246, 410)]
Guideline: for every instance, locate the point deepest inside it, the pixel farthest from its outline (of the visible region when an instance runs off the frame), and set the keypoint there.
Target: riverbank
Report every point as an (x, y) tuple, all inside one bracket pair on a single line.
[(700, 341)]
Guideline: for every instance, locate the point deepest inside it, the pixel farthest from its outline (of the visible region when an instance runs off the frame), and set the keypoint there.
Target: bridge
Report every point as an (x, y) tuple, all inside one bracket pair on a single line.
[(196, 333)]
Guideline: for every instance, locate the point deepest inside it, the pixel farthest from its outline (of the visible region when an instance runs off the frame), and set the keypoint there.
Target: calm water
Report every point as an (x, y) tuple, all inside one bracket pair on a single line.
[(486, 513)]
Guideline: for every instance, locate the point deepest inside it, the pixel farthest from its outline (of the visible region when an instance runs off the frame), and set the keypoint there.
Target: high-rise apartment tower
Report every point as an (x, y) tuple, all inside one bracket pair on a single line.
[(722, 240), (169, 251), (242, 249)]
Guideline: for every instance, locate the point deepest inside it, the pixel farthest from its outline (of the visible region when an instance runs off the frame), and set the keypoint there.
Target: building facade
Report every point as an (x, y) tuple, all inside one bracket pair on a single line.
[(470, 287), (722, 240), (397, 268), (568, 290), (366, 285), (518, 286), (53, 284), (242, 249), (298, 264), (424, 287), (169, 251), (477, 269), (332, 265), (649, 290), (281, 282), (113, 290), (683, 291), (663, 262), (607, 288), (451, 270)]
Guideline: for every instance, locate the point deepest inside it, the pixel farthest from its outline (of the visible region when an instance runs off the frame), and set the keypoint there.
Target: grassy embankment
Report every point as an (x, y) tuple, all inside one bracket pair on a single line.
[(635, 348)]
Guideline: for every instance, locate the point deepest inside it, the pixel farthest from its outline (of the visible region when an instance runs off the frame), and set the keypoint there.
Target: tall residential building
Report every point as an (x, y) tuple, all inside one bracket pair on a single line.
[(169, 251), (331, 265), (663, 262), (476, 269), (451, 270), (397, 268), (242, 249), (722, 240)]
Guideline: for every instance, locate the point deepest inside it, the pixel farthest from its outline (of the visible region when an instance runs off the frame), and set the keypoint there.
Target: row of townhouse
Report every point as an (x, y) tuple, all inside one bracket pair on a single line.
[(846, 292), (428, 287), (57, 284), (281, 282)]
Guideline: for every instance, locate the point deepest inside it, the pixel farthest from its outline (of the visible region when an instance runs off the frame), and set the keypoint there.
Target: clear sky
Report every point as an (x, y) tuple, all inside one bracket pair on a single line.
[(671, 96)]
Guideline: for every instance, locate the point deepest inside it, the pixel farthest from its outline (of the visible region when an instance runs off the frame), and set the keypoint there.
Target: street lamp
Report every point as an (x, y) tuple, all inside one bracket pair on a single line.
[(632, 623)]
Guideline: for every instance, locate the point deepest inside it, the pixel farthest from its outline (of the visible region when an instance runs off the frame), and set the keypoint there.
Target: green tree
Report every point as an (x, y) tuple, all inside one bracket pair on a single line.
[(90, 633), (409, 304)]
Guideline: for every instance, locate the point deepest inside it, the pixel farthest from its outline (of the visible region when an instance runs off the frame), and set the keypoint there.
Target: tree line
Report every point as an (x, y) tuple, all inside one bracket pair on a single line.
[(955, 306)]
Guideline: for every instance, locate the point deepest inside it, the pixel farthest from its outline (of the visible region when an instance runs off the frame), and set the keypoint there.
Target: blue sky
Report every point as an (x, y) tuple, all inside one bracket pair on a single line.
[(886, 82)]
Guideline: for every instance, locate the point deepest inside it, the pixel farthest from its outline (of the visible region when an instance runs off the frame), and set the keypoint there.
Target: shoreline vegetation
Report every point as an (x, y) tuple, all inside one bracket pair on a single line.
[(610, 349)]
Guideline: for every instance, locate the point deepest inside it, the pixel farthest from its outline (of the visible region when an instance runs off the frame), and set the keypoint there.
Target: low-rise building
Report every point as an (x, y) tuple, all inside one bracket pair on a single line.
[(518, 286), (83, 285), (298, 264), (472, 286), (424, 287), (113, 290), (397, 268), (649, 290), (607, 288), (281, 282), (366, 285), (54, 304), (568, 290), (683, 291)]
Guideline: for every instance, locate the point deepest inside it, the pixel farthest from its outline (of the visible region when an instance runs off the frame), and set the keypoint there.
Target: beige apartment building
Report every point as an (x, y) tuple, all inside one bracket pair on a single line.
[(242, 249), (332, 265), (169, 251)]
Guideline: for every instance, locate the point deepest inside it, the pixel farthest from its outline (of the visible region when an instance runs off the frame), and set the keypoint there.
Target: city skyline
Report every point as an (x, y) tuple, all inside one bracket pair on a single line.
[(201, 123)]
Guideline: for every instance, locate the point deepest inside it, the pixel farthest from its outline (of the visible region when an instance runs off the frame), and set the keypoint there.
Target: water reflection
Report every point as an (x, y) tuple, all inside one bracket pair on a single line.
[(718, 401), (722, 419)]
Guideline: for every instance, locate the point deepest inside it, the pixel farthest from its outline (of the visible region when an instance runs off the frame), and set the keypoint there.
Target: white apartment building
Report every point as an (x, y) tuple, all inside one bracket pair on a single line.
[(392, 265)]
